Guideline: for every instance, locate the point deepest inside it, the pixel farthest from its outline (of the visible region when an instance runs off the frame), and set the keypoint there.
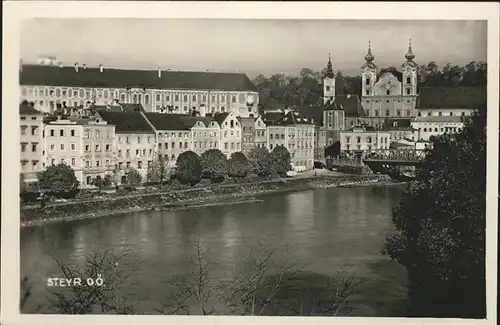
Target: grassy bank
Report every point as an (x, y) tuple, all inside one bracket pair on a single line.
[(34, 215)]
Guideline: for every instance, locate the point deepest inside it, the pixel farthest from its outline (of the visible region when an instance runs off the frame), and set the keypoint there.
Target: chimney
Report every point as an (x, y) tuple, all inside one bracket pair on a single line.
[(101, 68), (76, 66), (159, 72), (84, 66), (202, 110)]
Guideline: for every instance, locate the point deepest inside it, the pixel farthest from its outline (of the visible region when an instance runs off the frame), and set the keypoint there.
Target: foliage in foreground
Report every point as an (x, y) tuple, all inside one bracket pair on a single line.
[(189, 169), (441, 227), (268, 282), (214, 164)]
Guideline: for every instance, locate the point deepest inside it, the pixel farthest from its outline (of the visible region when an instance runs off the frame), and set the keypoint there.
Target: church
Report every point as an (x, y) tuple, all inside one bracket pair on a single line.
[(388, 95)]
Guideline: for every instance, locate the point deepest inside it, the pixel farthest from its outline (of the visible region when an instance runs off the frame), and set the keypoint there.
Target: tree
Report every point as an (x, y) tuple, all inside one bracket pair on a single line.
[(107, 181), (238, 165), (282, 159), (261, 161), (133, 177), (189, 168), (98, 182), (159, 170), (441, 227), (57, 179), (214, 163)]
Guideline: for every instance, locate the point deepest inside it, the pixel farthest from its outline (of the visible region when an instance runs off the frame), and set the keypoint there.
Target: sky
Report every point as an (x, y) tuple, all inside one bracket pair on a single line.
[(252, 46)]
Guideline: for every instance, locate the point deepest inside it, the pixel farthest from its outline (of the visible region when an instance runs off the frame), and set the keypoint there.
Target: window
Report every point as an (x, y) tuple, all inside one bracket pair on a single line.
[(194, 98), (139, 164), (62, 146), (97, 132), (146, 99), (233, 99), (327, 88), (73, 147), (127, 153), (398, 112), (408, 80), (138, 139), (176, 97), (440, 113), (367, 81), (72, 132), (387, 112), (108, 147), (97, 147), (173, 145), (61, 133), (367, 92), (98, 163), (387, 92), (185, 98), (408, 91), (408, 112), (73, 161), (23, 147)]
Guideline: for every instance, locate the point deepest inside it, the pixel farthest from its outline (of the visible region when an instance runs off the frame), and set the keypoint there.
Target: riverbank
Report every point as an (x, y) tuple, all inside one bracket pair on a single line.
[(196, 197)]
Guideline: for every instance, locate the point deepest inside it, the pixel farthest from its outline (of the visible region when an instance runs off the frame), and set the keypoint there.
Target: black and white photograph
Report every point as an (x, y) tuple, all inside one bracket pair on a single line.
[(307, 167)]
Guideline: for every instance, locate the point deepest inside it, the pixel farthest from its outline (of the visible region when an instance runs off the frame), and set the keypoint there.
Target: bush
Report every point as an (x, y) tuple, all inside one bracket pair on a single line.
[(214, 164), (134, 178), (58, 179), (261, 162), (238, 165), (282, 159), (189, 169)]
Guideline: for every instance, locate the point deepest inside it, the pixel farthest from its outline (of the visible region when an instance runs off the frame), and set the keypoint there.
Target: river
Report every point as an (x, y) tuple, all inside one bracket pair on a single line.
[(326, 230)]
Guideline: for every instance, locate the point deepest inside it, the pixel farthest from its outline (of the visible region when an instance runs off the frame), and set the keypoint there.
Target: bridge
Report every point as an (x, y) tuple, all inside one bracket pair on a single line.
[(394, 157)]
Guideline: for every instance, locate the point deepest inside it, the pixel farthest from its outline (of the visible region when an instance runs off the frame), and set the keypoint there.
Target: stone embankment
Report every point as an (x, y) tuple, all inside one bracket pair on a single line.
[(195, 197)]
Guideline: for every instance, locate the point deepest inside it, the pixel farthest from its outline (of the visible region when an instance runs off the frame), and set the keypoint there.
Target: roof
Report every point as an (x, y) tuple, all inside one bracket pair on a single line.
[(451, 97), (290, 117), (127, 122), (220, 117), (26, 108), (190, 121), (396, 145), (450, 119), (270, 117), (401, 124), (351, 104), (118, 108), (162, 121), (121, 78)]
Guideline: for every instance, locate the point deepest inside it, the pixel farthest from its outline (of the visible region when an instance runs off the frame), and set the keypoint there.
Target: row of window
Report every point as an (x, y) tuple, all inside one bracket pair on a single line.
[(441, 114), (139, 139), (165, 145), (24, 146), (34, 165), (348, 147), (23, 118), (97, 147), (388, 113), (408, 81), (450, 128), (388, 92), (34, 130), (137, 152), (368, 139), (203, 98)]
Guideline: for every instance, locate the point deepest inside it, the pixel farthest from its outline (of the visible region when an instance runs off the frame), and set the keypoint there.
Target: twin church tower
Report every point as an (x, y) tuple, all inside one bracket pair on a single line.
[(385, 93)]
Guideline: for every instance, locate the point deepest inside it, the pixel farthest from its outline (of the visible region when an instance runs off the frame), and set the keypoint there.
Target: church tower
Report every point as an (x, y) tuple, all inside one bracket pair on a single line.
[(409, 74), (329, 83), (369, 73)]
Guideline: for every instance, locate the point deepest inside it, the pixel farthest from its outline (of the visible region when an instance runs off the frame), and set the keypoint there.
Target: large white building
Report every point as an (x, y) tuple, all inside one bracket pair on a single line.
[(49, 86), (430, 126)]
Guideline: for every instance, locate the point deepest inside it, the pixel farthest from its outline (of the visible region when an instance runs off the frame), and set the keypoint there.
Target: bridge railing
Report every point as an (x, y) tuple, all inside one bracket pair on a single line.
[(396, 154)]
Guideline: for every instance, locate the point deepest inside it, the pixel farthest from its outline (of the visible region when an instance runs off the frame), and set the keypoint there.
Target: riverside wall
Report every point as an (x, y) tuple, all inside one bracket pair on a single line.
[(34, 215)]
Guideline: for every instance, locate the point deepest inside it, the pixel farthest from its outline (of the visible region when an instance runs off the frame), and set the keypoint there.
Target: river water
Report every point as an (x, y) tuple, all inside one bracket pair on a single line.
[(326, 230)]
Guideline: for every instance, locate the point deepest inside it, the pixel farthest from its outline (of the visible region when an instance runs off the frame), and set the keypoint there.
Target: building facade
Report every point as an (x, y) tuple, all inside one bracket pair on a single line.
[(260, 138), (294, 132), (230, 133), (431, 126), (64, 143), (50, 86), (32, 142), (99, 152), (359, 139), (134, 143)]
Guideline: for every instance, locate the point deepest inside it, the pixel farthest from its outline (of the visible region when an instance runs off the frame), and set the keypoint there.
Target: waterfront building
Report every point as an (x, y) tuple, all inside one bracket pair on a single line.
[(205, 134), (134, 143), (99, 155), (359, 139), (32, 142), (296, 133), (230, 133), (64, 144), (172, 135), (49, 85), (253, 134), (430, 126)]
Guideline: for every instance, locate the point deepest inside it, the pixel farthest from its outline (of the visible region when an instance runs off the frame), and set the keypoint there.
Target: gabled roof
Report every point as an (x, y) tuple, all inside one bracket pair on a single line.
[(290, 117), (451, 97), (270, 117), (39, 75), (127, 122), (129, 107), (27, 109), (190, 121), (220, 117), (162, 122)]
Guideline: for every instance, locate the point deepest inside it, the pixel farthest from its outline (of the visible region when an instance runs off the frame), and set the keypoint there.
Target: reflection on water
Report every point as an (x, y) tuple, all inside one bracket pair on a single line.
[(327, 229)]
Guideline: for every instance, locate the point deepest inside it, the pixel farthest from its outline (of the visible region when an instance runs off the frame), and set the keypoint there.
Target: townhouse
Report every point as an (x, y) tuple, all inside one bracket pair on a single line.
[(31, 142)]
